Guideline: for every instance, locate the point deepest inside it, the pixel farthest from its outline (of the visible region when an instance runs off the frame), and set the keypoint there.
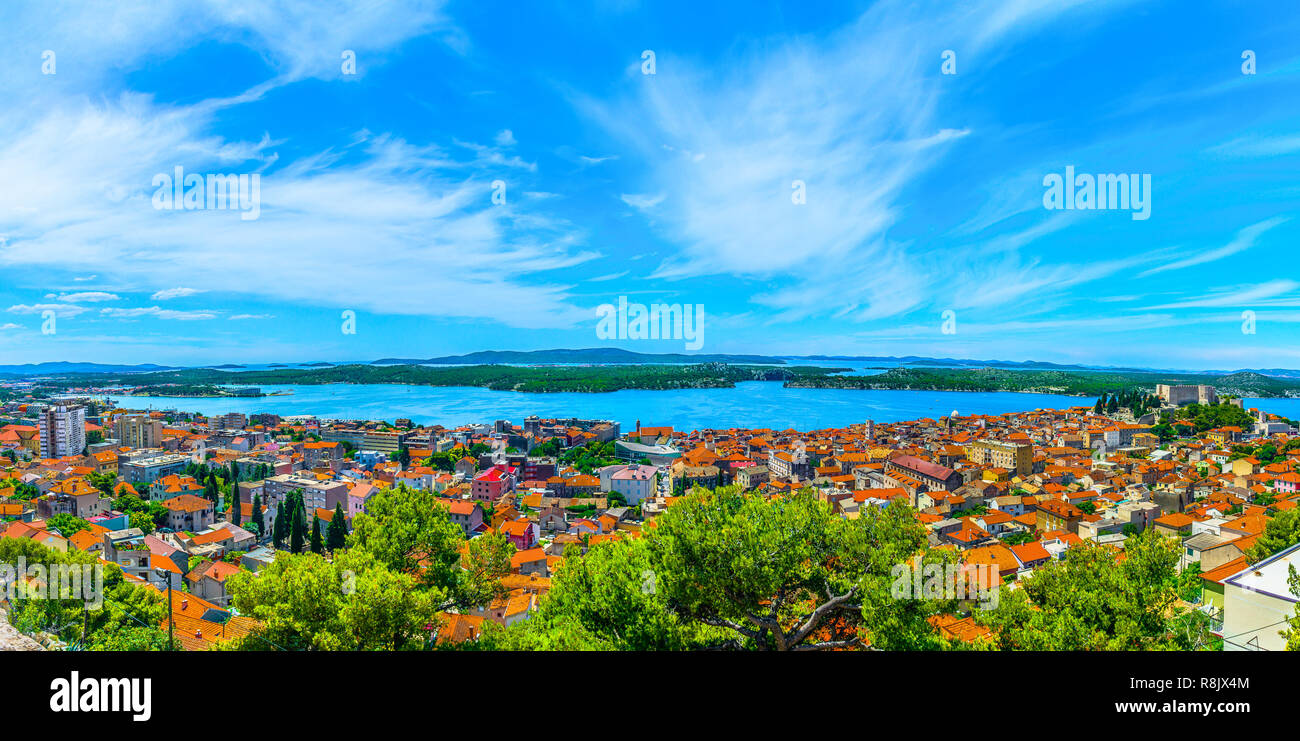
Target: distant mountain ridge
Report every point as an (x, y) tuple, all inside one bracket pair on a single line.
[(53, 368), (612, 355), (1039, 365), (619, 356)]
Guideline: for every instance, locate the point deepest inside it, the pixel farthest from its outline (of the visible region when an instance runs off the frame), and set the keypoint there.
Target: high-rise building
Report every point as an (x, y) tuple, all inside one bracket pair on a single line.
[(138, 431), (63, 431)]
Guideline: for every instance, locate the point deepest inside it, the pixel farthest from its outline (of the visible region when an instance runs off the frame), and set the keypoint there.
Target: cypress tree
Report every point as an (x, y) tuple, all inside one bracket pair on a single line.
[(258, 517), (236, 512), (280, 527), (336, 535), (297, 524), (317, 542)]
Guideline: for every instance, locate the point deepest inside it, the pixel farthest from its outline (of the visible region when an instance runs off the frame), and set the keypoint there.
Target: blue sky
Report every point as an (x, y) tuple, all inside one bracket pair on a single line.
[(924, 191)]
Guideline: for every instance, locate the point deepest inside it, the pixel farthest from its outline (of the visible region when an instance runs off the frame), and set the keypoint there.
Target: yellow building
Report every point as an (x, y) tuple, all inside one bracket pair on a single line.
[(1015, 457)]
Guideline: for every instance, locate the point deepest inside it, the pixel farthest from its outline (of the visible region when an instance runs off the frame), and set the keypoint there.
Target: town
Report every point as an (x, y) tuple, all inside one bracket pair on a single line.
[(215, 530)]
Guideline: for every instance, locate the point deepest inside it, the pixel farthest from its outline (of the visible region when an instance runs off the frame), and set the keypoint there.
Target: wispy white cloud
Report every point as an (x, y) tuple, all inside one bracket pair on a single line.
[(159, 313), (79, 187), (1262, 294), (1261, 146), (642, 202), (1244, 240), (846, 122), (171, 293), (60, 310), (86, 297)]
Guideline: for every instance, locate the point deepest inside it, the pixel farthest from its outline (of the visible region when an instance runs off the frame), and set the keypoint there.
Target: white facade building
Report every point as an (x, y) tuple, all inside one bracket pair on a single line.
[(1257, 602), (63, 431)]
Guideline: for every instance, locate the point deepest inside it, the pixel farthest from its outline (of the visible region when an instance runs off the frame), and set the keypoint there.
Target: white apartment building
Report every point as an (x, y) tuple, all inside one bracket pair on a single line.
[(1257, 601), (63, 431)]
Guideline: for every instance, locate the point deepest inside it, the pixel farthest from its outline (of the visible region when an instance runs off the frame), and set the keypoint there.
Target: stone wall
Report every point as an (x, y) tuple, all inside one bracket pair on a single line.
[(12, 640)]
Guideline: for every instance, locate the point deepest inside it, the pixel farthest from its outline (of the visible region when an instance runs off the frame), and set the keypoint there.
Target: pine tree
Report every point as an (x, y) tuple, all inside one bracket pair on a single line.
[(336, 535), (317, 542)]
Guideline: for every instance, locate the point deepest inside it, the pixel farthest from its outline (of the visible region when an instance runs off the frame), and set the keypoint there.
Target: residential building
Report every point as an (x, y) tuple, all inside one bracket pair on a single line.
[(62, 431)]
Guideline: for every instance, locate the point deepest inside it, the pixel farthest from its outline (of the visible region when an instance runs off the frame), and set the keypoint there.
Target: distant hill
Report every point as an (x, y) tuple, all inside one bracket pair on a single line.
[(49, 369), (968, 363), (610, 355), (914, 360)]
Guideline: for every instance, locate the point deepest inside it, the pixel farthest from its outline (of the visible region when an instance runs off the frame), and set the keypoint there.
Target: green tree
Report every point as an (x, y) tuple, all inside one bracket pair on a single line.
[(410, 531), (297, 522), (67, 525), (1280, 532), (726, 569), (102, 481), (336, 535), (1091, 600), (258, 519), (124, 619), (605, 600), (355, 603), (317, 541), (280, 525)]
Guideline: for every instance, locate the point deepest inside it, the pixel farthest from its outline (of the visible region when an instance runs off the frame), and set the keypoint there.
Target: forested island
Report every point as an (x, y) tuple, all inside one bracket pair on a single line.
[(583, 379), (189, 390), (1070, 383)]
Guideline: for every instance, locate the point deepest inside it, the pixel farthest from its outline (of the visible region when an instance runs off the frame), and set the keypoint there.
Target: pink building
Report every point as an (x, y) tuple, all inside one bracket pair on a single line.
[(489, 485), (357, 499)]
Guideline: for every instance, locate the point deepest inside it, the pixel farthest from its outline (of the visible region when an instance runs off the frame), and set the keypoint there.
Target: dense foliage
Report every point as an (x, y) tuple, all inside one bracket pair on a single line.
[(726, 569)]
